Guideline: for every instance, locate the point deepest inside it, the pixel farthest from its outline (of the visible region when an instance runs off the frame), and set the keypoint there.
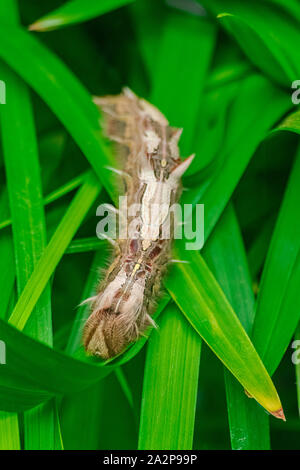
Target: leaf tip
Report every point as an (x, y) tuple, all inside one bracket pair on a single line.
[(279, 414), (223, 15), (33, 27)]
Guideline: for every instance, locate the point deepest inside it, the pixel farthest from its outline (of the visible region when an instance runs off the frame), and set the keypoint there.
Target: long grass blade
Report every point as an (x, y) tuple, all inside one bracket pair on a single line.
[(225, 254), (214, 319), (258, 38), (170, 385), (54, 251), (64, 94), (54, 195), (29, 232), (76, 11), (277, 312)]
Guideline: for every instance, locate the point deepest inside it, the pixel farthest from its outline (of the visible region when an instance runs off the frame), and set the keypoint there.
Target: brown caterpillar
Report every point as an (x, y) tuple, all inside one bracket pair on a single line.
[(122, 307)]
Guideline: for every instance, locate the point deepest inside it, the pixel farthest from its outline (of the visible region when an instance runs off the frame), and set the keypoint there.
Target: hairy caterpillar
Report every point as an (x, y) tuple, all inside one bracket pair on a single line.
[(122, 307)]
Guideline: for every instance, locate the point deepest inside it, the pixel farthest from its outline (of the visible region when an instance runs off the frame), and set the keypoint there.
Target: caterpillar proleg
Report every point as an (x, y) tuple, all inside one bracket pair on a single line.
[(121, 310)]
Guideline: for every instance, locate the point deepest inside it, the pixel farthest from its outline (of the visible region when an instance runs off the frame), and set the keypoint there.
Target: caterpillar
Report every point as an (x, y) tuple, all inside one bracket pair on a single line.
[(125, 300)]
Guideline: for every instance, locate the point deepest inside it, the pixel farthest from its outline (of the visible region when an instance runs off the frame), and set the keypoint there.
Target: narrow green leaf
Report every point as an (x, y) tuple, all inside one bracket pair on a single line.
[(149, 17), (244, 133), (267, 43), (278, 302), (7, 276), (82, 245), (227, 72), (63, 93), (22, 171), (9, 435), (75, 338), (292, 7), (259, 247), (216, 196), (76, 11), (203, 302), (55, 373), (290, 123), (56, 194), (270, 59), (22, 168), (184, 38), (225, 254), (82, 410), (170, 385), (9, 426), (54, 250)]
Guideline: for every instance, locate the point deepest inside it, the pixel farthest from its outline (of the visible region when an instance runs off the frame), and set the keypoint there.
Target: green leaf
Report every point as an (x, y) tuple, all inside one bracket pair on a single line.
[(22, 168), (76, 11), (277, 312), (269, 59), (203, 302), (225, 255), (91, 415), (82, 245), (216, 195), (292, 7), (170, 385), (54, 250), (9, 436), (85, 409), (147, 18), (196, 39), (290, 123), (247, 126), (54, 195), (74, 344), (63, 93), (34, 372), (9, 426), (55, 373), (29, 234), (258, 249), (7, 276), (267, 43)]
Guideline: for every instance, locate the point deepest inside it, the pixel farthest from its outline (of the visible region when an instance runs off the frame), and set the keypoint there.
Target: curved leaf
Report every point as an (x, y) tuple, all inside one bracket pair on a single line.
[(203, 302), (270, 59), (263, 32)]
